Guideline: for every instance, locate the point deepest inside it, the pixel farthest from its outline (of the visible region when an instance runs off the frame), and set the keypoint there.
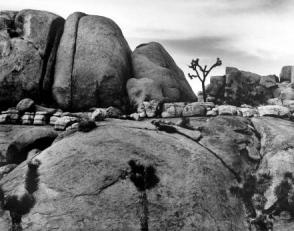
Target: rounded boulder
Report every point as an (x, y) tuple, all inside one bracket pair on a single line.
[(167, 81), (95, 67)]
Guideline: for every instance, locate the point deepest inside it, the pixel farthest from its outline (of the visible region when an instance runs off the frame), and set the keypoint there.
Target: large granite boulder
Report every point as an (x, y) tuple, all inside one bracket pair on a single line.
[(287, 74), (28, 45), (84, 182), (248, 88), (165, 80), (93, 64)]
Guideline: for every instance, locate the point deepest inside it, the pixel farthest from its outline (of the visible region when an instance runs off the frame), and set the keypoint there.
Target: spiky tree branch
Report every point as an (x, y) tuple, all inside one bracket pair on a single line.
[(195, 66)]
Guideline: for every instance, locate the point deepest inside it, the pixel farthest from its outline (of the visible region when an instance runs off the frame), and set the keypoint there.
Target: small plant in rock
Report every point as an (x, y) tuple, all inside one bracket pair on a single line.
[(197, 68), (144, 178), (251, 191), (86, 125), (284, 193)]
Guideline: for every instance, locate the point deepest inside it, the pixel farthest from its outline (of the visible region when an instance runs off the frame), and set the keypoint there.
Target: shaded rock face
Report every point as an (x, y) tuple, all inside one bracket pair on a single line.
[(193, 189), (216, 88), (7, 133), (93, 64), (166, 81), (28, 45), (29, 139), (248, 88)]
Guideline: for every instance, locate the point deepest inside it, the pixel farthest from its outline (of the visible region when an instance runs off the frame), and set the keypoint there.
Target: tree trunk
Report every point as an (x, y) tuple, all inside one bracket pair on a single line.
[(144, 213), (16, 221), (203, 91)]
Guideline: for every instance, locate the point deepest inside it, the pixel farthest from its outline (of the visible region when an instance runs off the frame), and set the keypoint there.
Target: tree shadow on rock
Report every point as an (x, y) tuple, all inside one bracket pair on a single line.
[(144, 178)]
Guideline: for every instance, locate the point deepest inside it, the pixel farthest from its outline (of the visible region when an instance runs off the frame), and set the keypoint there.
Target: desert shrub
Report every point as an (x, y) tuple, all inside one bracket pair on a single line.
[(86, 125)]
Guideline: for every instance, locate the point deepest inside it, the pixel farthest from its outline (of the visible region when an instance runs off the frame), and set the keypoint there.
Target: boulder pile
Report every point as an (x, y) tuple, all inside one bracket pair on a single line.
[(80, 63), (241, 87)]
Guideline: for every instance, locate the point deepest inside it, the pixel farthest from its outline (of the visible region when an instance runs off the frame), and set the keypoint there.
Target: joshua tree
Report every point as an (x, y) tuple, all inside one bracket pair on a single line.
[(144, 178), (195, 66)]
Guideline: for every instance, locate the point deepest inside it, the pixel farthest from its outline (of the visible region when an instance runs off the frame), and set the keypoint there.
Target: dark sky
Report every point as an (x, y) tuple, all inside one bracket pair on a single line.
[(253, 35)]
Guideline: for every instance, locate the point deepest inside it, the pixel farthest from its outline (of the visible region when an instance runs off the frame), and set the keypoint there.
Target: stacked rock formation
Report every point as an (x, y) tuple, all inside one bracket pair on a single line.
[(80, 63), (241, 87)]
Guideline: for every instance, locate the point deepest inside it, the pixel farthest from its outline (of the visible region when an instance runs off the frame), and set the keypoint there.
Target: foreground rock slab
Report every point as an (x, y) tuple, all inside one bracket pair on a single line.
[(83, 183)]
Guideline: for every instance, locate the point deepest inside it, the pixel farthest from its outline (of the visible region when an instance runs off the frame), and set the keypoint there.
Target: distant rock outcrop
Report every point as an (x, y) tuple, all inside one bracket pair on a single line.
[(244, 87), (93, 64), (28, 45), (157, 77), (287, 74), (241, 87)]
